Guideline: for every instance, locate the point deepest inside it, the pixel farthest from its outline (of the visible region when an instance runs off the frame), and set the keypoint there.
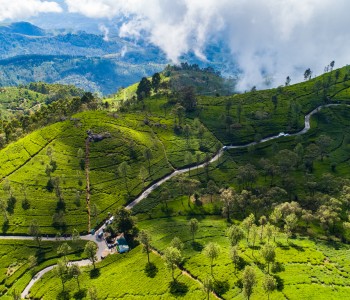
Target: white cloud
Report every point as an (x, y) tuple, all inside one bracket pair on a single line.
[(22, 9), (104, 29), (277, 37)]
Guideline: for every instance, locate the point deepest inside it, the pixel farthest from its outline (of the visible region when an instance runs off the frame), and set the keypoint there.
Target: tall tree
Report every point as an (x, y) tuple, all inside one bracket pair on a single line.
[(156, 82), (208, 286), (235, 234), (143, 89), (269, 285), (234, 255), (91, 251), (35, 232), (75, 272), (193, 224), (247, 224), (249, 281), (145, 239), (147, 153), (212, 251), (123, 170), (61, 271), (227, 198), (172, 257), (177, 243), (288, 80), (269, 255)]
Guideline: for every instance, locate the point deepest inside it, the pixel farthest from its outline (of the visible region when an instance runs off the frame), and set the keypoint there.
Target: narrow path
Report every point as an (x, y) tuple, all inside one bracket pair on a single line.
[(101, 244), (87, 174), (188, 274)]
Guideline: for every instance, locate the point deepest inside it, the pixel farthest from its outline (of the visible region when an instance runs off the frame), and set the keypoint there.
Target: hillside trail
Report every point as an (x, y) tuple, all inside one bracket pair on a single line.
[(87, 174), (101, 244)]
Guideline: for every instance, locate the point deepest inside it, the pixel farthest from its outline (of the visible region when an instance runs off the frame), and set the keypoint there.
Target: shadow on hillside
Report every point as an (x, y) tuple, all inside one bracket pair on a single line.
[(178, 288), (151, 270), (5, 226), (80, 294), (63, 295), (277, 267), (279, 283), (296, 247), (197, 246), (11, 202), (221, 287), (95, 273)]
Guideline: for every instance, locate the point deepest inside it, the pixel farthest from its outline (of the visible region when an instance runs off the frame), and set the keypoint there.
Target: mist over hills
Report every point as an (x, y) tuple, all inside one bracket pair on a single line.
[(94, 62)]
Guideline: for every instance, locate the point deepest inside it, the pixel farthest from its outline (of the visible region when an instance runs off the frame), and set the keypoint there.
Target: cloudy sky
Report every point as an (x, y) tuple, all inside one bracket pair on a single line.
[(266, 37)]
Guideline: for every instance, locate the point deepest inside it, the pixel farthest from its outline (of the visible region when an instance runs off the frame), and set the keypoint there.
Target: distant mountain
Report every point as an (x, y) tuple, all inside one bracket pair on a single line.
[(23, 28), (90, 61)]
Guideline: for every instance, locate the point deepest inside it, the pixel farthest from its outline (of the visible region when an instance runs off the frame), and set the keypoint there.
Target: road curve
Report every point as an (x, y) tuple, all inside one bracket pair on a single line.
[(101, 244), (221, 152)]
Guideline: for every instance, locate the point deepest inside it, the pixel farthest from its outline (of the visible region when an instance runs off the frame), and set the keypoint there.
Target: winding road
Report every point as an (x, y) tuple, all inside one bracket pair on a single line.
[(102, 245)]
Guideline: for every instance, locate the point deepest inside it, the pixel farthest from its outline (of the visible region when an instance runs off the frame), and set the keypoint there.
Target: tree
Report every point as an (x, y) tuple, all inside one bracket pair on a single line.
[(123, 171), (193, 224), (249, 281), (212, 251), (262, 222), (235, 234), (208, 286), (288, 80), (227, 198), (270, 231), (165, 196), (269, 255), (75, 272), (91, 251), (274, 100), (177, 243), (247, 175), (190, 187), (3, 208), (32, 261), (92, 291), (234, 255), (147, 153), (212, 189), (143, 89), (63, 250), (16, 295), (332, 65), (247, 224), (323, 142), (172, 258), (291, 222), (61, 271), (269, 285), (188, 160), (239, 112), (75, 236), (123, 221), (145, 239), (156, 82), (188, 98), (307, 74), (143, 175), (35, 232)]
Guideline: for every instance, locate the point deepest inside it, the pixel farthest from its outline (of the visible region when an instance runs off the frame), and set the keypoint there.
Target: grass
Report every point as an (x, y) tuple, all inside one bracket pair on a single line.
[(125, 277), (15, 269), (309, 269)]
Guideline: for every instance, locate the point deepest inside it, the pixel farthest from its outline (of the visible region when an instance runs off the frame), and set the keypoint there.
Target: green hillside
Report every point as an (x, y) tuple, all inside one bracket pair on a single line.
[(290, 193)]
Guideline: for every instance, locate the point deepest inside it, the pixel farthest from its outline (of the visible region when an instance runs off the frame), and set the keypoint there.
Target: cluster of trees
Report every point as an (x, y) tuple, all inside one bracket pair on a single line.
[(14, 128), (190, 67), (146, 86), (173, 254)]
